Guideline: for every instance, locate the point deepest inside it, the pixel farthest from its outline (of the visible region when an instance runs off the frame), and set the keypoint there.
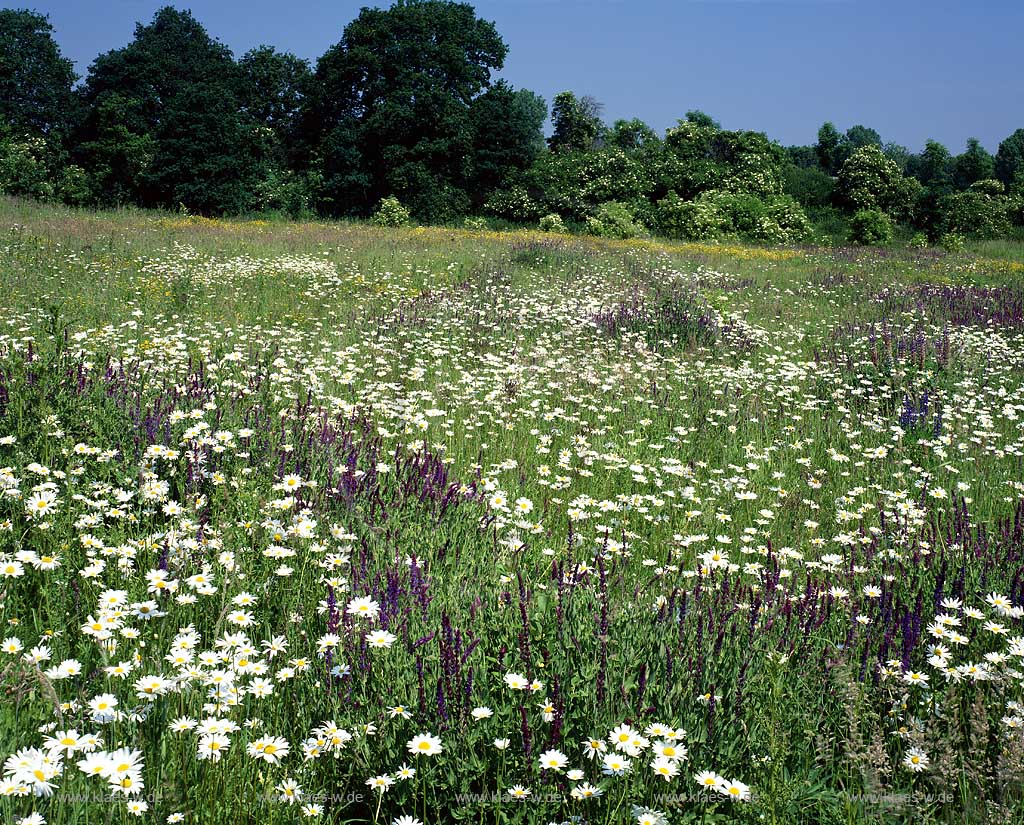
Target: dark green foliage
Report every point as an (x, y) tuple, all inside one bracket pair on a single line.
[(900, 155), (390, 106), (272, 93), (828, 146), (979, 212), (35, 80), (273, 87), (856, 137), (804, 157), (1009, 163), (576, 123), (933, 167), (164, 125), (507, 128), (116, 156), (973, 165), (1015, 210), (699, 118), (808, 185), (871, 227), (631, 134), (834, 149)]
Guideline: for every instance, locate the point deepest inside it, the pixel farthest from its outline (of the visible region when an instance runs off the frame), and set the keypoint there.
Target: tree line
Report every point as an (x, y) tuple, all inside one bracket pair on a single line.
[(404, 109)]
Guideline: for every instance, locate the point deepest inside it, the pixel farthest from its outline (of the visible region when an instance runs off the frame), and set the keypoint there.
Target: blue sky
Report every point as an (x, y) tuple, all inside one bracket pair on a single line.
[(912, 70)]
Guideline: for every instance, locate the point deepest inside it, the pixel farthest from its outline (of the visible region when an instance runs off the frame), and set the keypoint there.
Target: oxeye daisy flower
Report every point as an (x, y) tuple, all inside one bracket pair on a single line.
[(380, 783), (271, 749), (424, 744), (380, 639), (516, 681), (734, 789), (614, 765), (213, 747), (553, 760), (667, 769), (915, 760), (586, 791), (709, 780), (364, 607), (289, 791)]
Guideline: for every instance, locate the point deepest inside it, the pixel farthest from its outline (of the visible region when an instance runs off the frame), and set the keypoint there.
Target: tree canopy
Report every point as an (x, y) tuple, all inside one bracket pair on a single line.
[(164, 124), (35, 80), (391, 103)]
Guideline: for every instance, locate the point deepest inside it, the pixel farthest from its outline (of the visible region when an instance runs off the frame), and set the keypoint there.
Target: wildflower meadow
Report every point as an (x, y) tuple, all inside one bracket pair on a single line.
[(339, 523)]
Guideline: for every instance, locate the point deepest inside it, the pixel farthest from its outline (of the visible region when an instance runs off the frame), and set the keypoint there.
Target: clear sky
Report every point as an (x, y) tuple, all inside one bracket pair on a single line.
[(912, 69)]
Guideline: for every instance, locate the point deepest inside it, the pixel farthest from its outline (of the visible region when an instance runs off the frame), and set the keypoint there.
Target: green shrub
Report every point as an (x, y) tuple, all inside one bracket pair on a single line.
[(698, 220), (574, 184), (23, 168), (869, 180), (793, 225), (714, 215), (390, 212), (743, 213), (552, 223), (73, 186), (513, 204), (975, 213), (1015, 210), (918, 241), (284, 192), (952, 241), (808, 186), (614, 220), (476, 224), (871, 227)]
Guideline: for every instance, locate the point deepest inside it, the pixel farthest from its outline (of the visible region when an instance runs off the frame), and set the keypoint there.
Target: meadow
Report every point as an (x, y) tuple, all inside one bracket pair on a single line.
[(328, 522)]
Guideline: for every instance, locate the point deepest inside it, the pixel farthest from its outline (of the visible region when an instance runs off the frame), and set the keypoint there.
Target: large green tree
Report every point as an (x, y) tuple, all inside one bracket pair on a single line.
[(934, 167), (827, 147), (507, 127), (699, 158), (1009, 165), (35, 80), (390, 106), (870, 180), (973, 165), (856, 137), (273, 88), (576, 123), (631, 134), (165, 120)]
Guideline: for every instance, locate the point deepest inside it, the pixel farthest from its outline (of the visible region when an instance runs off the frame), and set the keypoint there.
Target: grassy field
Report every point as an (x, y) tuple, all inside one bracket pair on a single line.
[(333, 522)]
